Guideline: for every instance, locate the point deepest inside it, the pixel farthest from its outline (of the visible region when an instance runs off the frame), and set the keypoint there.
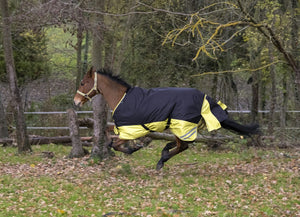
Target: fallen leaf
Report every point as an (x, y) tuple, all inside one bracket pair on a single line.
[(61, 211)]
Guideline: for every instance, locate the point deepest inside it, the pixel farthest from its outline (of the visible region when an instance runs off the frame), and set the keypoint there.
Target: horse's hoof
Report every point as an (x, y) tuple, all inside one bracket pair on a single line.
[(159, 165), (129, 151), (139, 146)]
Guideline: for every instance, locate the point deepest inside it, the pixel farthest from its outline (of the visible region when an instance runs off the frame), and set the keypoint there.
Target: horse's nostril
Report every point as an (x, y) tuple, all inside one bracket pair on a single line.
[(76, 104)]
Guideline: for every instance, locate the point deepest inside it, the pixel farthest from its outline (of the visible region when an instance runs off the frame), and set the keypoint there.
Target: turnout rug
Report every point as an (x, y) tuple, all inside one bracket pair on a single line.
[(182, 110)]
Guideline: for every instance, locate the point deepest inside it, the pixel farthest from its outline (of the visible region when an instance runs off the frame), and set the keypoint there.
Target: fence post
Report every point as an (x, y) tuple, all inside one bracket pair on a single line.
[(77, 149)]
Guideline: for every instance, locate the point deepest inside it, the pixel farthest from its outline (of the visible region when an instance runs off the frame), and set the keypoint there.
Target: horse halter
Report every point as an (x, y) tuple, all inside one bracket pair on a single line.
[(86, 95)]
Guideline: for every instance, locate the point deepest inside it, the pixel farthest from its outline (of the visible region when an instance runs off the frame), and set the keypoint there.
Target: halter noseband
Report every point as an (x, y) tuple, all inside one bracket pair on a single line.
[(94, 88)]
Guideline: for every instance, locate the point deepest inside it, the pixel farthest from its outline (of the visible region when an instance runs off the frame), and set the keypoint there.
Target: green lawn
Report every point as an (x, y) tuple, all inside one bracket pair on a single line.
[(198, 182)]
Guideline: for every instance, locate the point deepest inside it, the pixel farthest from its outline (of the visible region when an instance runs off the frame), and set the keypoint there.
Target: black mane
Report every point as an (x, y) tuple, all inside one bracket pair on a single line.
[(116, 78)]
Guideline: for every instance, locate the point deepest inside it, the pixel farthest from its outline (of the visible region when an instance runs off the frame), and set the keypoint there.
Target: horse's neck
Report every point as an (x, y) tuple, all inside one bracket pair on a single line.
[(111, 90)]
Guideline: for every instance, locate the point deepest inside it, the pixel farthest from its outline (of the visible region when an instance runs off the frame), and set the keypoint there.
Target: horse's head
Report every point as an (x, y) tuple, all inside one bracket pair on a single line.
[(87, 88)]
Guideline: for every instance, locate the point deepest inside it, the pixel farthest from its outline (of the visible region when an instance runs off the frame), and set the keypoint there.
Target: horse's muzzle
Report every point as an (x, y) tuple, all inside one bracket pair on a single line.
[(77, 103), (76, 107)]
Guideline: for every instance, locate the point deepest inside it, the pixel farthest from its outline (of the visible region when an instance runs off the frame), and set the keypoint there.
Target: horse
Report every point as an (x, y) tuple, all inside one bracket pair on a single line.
[(137, 112)]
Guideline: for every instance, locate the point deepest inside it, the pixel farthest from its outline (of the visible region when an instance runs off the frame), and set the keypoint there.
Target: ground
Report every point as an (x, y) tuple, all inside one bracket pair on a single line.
[(199, 182)]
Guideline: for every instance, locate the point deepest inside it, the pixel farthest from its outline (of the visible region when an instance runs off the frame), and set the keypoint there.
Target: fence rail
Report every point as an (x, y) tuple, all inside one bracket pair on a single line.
[(84, 128), (57, 112), (55, 123), (90, 112)]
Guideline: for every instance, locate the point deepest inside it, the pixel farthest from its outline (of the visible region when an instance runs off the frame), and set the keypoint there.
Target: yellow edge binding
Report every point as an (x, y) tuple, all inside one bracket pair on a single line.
[(184, 130), (211, 121), (136, 131), (118, 104)]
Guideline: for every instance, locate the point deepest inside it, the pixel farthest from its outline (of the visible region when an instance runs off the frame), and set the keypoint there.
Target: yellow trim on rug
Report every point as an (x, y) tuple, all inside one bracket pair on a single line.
[(222, 105), (129, 132), (118, 104), (211, 121), (184, 130)]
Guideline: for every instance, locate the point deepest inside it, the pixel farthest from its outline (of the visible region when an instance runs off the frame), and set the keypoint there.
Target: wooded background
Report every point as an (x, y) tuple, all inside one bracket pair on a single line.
[(244, 53)]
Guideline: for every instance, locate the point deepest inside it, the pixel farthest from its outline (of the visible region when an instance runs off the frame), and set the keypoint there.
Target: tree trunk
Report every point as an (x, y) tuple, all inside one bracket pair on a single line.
[(255, 97), (22, 137), (254, 86), (214, 86), (77, 149), (41, 140), (100, 140), (100, 147), (273, 92), (88, 122), (78, 54), (255, 57), (284, 102), (295, 45), (67, 140), (86, 52), (3, 125), (124, 44)]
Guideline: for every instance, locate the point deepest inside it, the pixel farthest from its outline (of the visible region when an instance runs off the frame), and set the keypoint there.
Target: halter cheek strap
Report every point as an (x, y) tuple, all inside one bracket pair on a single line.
[(86, 95)]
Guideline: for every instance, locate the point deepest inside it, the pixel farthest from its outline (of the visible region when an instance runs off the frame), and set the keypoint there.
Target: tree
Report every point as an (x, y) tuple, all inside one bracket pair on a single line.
[(211, 41), (269, 32), (295, 16), (3, 125), (100, 147), (22, 137), (30, 55), (78, 54)]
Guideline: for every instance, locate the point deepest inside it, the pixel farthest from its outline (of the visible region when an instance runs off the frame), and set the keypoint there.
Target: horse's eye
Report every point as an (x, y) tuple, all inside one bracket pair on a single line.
[(81, 83)]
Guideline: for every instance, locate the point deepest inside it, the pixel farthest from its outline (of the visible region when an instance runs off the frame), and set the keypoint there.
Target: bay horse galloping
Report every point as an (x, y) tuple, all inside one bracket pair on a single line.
[(138, 111)]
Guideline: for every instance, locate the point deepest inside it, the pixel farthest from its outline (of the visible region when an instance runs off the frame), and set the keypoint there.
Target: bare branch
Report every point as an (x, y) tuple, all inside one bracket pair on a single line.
[(238, 70)]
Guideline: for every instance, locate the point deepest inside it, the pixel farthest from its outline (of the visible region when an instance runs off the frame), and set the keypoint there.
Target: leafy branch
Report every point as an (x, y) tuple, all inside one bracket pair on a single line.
[(195, 28), (198, 25)]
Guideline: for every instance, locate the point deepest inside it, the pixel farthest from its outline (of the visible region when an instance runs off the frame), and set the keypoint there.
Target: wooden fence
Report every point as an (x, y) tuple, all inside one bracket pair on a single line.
[(53, 126), (233, 112)]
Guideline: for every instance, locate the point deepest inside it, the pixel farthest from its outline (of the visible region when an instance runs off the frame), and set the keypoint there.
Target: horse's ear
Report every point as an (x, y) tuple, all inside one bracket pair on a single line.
[(91, 71)]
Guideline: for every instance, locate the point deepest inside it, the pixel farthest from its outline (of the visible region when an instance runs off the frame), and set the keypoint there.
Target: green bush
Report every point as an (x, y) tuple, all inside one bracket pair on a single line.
[(30, 54)]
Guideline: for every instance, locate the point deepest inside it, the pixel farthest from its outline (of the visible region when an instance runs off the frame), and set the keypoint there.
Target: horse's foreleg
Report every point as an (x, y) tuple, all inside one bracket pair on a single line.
[(118, 145), (167, 148), (166, 154)]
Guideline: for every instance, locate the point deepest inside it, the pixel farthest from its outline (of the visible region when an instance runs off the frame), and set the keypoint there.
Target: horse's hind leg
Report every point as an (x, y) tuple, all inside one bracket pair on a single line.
[(119, 146), (166, 154), (168, 146)]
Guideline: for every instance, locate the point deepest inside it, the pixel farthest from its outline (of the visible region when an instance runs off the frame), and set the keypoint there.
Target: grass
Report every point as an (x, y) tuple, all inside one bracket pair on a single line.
[(198, 182)]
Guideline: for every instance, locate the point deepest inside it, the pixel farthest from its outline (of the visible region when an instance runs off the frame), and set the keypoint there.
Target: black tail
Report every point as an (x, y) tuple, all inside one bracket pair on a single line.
[(246, 130)]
